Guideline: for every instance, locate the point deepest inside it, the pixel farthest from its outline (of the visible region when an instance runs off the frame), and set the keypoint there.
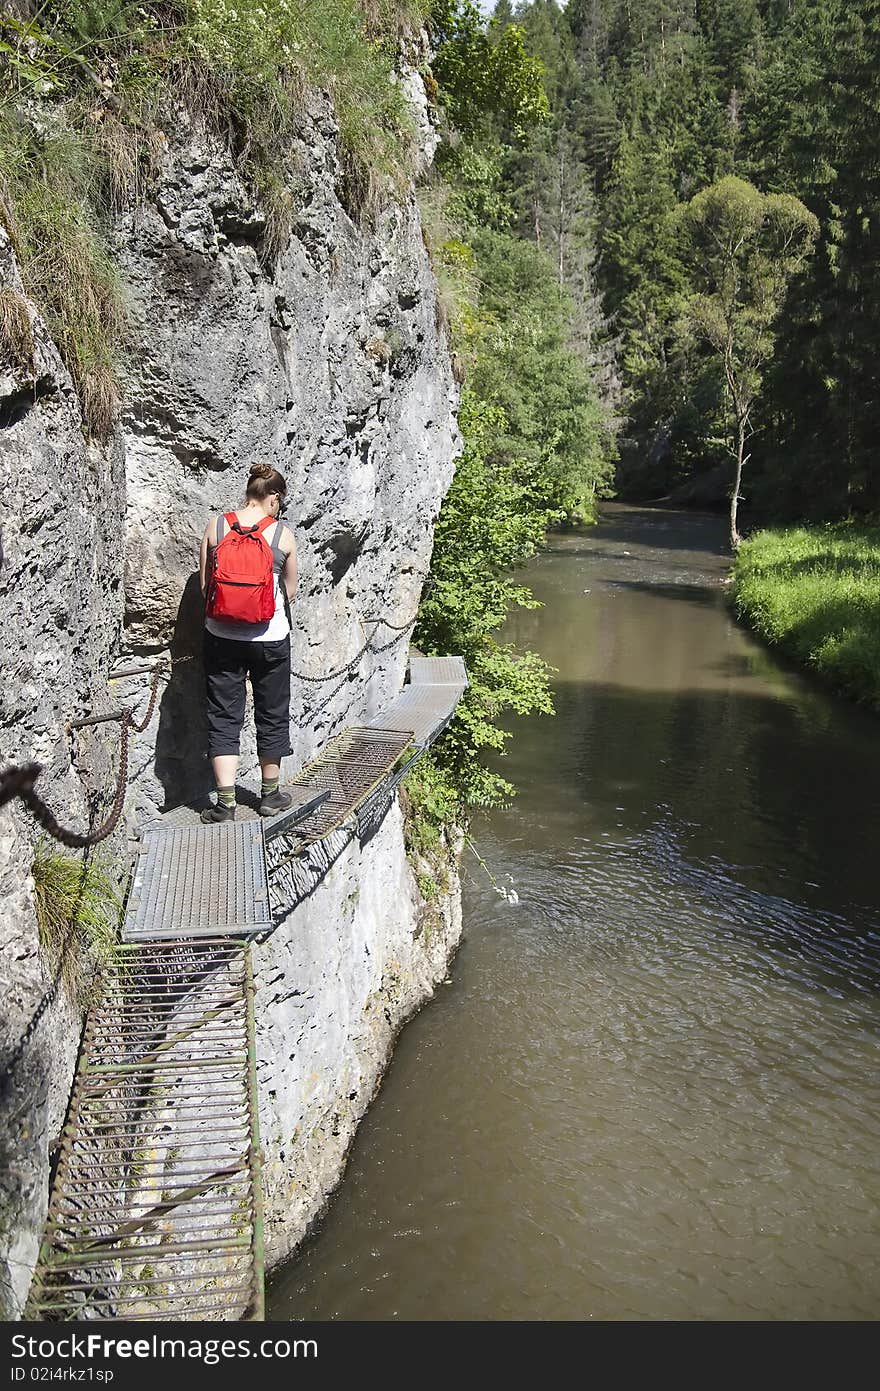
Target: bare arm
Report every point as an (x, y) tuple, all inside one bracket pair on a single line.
[(290, 573), (205, 556)]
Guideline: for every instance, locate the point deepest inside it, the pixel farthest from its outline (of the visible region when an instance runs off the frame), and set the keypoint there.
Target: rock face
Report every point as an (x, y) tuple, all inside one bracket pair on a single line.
[(327, 364), (334, 983), (61, 586), (320, 353)]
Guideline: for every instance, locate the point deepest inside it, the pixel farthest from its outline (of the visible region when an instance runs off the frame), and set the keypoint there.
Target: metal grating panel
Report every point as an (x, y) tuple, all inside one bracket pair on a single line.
[(155, 1212), (349, 768), (438, 671), (199, 881), (426, 710)]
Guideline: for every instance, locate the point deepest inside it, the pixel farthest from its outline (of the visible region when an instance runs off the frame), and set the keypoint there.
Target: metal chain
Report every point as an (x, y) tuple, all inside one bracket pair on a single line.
[(154, 692), (18, 781), (14, 1057), (400, 632), (332, 675), (368, 646), (395, 627)]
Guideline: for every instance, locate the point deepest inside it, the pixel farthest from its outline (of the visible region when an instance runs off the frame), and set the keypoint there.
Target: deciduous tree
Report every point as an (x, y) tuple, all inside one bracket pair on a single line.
[(744, 248)]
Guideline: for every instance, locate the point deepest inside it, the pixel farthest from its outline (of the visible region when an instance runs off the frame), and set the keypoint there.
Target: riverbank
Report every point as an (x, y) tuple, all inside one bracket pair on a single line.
[(814, 592)]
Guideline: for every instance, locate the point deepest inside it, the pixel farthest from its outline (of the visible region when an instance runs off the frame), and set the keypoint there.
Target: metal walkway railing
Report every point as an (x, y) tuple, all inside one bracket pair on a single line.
[(155, 1209)]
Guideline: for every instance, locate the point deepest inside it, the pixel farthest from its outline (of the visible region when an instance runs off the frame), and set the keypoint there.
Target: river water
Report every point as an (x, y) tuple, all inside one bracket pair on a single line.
[(650, 1089)]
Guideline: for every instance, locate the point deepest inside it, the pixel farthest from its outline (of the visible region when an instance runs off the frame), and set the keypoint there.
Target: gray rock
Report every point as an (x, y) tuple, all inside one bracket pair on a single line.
[(326, 361)]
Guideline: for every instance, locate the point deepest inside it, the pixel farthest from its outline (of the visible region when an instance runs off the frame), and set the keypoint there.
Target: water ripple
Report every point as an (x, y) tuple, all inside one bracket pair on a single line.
[(654, 1090)]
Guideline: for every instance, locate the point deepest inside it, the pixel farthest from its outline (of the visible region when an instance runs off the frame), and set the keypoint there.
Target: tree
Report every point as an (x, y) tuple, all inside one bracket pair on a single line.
[(744, 248), (487, 77)]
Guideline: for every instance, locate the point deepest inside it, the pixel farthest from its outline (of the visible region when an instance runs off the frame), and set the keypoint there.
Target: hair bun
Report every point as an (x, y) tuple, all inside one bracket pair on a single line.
[(261, 471)]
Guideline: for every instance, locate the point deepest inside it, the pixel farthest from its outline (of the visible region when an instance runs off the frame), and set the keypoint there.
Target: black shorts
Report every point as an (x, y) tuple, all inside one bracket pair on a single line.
[(227, 663)]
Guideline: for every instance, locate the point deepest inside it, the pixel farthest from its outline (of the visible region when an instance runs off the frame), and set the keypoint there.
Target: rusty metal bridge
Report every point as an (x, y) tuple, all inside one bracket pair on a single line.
[(155, 1211)]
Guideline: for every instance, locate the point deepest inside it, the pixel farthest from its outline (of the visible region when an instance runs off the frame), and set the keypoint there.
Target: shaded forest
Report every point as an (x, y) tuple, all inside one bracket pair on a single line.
[(650, 103)]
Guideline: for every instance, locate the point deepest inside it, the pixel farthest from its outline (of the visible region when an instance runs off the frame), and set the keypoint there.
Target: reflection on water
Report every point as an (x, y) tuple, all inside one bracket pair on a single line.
[(652, 1089)]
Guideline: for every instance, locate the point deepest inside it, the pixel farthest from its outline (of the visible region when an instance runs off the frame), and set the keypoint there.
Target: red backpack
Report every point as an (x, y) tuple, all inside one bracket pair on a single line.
[(242, 582)]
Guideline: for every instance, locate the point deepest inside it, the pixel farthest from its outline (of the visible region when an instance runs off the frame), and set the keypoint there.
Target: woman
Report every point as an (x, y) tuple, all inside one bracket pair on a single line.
[(261, 545)]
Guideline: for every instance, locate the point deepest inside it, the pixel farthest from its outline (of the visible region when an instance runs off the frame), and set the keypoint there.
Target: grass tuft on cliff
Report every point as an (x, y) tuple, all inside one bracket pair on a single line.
[(16, 332), (86, 85), (814, 591), (77, 909), (47, 208), (243, 64)]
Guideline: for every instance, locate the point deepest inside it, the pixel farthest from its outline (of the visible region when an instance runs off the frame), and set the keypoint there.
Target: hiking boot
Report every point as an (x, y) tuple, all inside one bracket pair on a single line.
[(274, 802), (218, 813)]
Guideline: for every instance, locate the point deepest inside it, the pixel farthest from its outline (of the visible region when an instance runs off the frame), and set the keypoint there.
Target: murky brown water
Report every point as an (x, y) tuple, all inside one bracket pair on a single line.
[(651, 1090)]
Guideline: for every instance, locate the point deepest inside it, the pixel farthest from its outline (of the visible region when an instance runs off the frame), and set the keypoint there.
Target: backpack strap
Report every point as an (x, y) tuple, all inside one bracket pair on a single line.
[(224, 519), (229, 519)]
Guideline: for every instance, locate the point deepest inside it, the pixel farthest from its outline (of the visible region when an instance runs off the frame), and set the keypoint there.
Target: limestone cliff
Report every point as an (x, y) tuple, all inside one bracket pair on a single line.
[(324, 357)]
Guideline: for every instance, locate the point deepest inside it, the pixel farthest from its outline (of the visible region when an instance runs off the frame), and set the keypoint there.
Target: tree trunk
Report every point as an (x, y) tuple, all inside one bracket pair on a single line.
[(561, 214), (735, 538)]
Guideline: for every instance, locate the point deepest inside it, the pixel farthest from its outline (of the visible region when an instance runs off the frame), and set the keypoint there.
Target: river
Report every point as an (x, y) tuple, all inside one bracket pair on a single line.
[(650, 1089)]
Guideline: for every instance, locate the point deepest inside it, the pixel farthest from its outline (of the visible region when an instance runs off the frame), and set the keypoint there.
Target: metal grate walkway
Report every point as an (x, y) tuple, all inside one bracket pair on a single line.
[(199, 881), (348, 769), (155, 1211), (427, 704)]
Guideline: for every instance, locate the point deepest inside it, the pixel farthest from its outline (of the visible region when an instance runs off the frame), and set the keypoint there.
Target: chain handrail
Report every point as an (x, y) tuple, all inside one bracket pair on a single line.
[(368, 646), (17, 780)]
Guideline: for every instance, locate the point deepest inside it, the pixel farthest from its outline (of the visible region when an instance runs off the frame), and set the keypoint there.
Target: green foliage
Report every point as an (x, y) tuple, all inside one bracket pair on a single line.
[(815, 592), (48, 196), (488, 80), (486, 527), (247, 63), (813, 122), (431, 803), (264, 56), (537, 441), (77, 908), (663, 99), (745, 248), (475, 179), (552, 434), (643, 272)]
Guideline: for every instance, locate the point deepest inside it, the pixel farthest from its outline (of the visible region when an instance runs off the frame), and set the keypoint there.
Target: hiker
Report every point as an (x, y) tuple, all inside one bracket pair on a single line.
[(247, 566)]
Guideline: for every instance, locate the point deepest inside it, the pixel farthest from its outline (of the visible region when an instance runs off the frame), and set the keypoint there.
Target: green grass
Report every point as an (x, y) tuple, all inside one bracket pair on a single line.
[(77, 908), (88, 84), (47, 206), (815, 593)]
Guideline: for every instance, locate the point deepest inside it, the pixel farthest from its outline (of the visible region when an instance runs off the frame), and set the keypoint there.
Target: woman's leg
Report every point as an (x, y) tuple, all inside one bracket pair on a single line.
[(225, 766), (270, 679), (225, 689)]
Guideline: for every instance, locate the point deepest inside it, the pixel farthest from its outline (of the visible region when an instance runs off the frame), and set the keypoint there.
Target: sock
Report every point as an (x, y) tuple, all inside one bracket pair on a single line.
[(269, 786), (226, 796)]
